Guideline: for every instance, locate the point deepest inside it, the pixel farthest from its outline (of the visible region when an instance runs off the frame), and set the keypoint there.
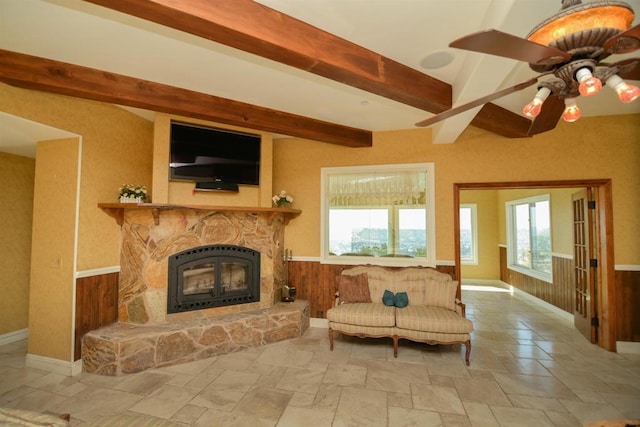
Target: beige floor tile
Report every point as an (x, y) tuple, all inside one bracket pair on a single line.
[(303, 380), (345, 375), (534, 402), (521, 417), (481, 391), (532, 385), (361, 407), (263, 403), (302, 400), (283, 356), (95, 402), (327, 397), (164, 402), (436, 398), (480, 415), (297, 417), (592, 412), (403, 417), (188, 414), (214, 418), (528, 367), (629, 405)]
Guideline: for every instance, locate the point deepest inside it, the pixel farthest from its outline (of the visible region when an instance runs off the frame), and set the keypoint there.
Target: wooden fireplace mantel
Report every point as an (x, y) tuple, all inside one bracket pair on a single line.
[(116, 210)]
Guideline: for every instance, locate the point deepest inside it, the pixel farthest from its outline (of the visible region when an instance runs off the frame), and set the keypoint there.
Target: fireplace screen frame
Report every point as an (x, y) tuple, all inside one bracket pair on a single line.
[(249, 259)]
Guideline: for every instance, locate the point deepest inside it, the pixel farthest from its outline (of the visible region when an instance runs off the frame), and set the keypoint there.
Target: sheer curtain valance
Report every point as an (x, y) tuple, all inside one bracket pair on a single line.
[(385, 188)]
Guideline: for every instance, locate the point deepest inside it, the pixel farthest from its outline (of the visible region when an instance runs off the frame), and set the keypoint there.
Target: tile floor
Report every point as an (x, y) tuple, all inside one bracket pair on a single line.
[(529, 367)]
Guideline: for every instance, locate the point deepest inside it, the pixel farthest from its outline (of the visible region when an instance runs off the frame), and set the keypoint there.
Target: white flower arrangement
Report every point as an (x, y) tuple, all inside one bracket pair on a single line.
[(130, 193), (282, 199)]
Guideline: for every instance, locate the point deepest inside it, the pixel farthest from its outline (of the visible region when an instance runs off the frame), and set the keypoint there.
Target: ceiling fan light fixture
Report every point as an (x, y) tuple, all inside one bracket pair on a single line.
[(589, 84), (612, 14), (533, 108), (571, 111), (626, 93)]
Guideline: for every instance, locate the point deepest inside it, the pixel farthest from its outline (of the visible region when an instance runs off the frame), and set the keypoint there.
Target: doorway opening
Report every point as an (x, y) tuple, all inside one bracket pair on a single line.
[(603, 225)]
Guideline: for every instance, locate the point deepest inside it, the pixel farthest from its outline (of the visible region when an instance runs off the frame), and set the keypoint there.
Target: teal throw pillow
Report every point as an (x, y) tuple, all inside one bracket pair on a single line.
[(388, 298), (401, 299)]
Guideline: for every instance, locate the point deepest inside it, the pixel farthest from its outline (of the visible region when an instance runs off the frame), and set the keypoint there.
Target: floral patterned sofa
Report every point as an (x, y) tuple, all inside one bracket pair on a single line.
[(427, 312)]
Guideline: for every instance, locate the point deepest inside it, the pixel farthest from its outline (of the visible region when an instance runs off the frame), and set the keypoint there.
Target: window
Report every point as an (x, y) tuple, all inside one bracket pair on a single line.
[(385, 212), (468, 234), (529, 236)]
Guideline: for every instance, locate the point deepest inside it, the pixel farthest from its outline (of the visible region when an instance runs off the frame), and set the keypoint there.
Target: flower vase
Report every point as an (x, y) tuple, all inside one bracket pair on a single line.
[(125, 199), (283, 204)]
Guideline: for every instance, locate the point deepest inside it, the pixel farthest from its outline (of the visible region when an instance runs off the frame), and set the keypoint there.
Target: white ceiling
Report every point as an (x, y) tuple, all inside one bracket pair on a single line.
[(404, 30)]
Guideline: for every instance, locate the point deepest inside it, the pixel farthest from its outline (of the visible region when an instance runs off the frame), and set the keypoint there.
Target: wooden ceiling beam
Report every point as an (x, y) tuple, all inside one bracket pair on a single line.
[(73, 80), (252, 27)]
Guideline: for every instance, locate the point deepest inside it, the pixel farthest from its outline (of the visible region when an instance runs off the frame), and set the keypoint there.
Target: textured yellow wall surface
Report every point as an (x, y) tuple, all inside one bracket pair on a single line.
[(53, 252), (16, 210), (116, 149), (488, 266), (592, 148)]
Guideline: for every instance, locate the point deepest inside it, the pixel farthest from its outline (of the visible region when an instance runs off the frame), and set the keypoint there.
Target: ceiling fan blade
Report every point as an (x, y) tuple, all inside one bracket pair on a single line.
[(506, 45), (549, 115), (626, 41), (629, 68), (476, 103)]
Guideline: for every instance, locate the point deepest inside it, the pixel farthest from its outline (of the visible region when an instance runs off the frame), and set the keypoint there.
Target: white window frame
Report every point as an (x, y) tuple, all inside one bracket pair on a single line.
[(428, 261), (474, 234), (511, 237)]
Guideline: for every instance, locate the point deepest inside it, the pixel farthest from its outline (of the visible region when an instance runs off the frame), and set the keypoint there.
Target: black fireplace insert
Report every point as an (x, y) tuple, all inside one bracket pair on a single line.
[(213, 276)]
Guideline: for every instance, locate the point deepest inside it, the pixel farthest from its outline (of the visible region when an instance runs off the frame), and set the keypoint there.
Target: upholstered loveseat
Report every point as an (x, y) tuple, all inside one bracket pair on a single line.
[(425, 308)]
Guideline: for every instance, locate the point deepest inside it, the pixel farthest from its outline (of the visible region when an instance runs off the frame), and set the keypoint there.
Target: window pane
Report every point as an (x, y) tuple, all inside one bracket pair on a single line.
[(541, 237), (466, 235), (523, 238), (358, 231), (412, 224)]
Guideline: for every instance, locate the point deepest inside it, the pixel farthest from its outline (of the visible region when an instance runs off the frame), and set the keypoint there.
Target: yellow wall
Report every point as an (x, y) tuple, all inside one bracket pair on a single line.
[(116, 148), (16, 200), (182, 192), (488, 266), (53, 251), (591, 148)]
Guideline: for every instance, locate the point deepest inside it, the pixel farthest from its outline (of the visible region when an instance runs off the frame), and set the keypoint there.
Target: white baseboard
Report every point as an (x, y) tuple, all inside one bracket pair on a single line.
[(316, 322), (628, 347), (57, 366), (487, 282), (558, 311), (19, 335), (97, 271)]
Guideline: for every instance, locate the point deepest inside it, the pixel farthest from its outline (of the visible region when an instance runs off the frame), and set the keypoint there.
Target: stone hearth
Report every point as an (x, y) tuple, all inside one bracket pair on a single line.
[(125, 348), (145, 335)]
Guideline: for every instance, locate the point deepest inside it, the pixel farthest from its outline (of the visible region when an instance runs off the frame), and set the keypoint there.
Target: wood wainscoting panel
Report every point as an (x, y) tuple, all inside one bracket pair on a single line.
[(560, 293), (316, 283), (96, 305), (628, 305)]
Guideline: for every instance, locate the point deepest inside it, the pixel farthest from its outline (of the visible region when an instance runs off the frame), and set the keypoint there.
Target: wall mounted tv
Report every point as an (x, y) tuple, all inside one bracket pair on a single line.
[(216, 159)]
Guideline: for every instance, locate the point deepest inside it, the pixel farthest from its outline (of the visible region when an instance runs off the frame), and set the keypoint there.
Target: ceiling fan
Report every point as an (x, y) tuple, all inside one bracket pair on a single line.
[(567, 51)]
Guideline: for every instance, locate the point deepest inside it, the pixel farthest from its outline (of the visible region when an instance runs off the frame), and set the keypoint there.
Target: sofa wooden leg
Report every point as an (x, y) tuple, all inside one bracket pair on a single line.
[(395, 346), (467, 346), (330, 339)]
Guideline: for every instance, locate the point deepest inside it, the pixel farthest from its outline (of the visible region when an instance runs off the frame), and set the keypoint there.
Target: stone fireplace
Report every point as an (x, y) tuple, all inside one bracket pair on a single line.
[(248, 248), (150, 239)]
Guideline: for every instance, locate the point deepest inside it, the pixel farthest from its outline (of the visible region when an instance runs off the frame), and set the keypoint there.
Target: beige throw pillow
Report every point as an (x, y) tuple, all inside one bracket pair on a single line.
[(353, 288), (441, 294)]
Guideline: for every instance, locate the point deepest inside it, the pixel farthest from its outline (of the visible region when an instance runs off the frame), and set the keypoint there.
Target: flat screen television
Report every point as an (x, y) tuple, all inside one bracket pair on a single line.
[(209, 155)]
